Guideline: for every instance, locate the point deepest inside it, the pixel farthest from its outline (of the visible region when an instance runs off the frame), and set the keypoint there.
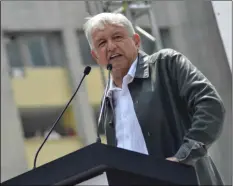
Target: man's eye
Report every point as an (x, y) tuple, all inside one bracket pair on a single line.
[(117, 37), (101, 44)]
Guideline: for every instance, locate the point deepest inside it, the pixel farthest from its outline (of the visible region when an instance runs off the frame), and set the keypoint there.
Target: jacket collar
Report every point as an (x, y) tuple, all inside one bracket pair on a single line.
[(142, 69)]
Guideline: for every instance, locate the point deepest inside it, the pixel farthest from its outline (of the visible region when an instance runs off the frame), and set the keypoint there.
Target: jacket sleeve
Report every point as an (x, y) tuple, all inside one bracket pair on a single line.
[(205, 108)]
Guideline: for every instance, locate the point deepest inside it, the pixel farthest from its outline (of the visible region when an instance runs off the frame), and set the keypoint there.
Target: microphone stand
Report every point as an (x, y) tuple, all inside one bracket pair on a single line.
[(86, 72), (109, 68)]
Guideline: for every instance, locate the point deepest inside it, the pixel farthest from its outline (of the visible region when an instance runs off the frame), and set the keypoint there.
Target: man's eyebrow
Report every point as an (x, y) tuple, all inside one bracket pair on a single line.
[(98, 40), (114, 33)]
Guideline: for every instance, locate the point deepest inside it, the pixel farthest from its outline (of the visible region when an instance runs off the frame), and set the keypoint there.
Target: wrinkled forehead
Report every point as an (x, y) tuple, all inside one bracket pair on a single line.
[(107, 29), (109, 26)]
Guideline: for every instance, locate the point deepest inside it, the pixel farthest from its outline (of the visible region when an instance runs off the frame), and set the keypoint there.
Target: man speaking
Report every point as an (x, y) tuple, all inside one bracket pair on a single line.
[(158, 104)]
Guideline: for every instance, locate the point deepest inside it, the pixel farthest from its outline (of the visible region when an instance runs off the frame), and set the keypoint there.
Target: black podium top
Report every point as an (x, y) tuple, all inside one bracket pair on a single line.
[(97, 158)]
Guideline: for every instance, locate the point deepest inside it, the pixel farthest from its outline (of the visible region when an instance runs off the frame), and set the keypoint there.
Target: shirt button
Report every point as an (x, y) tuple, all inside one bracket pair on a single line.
[(149, 134)]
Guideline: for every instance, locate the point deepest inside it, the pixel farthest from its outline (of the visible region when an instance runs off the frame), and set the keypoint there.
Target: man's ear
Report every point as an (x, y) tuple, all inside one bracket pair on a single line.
[(137, 40), (94, 55)]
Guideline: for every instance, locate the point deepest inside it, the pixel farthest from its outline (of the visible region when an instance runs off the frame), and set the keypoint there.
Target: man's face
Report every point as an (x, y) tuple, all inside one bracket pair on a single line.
[(114, 45)]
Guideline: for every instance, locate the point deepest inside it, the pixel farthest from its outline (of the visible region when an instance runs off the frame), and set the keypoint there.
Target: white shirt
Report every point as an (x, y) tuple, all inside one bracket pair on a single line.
[(128, 131)]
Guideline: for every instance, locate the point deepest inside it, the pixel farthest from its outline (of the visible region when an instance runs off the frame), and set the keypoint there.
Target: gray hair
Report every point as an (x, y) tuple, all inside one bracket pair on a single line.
[(100, 20)]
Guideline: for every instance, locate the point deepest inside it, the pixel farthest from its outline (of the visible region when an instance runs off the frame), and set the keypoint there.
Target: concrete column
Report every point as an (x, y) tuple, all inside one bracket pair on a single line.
[(13, 160), (223, 14), (195, 33), (82, 109)]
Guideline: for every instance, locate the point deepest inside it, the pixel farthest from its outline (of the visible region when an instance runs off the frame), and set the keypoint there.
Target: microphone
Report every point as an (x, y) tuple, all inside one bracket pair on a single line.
[(109, 68), (86, 72)]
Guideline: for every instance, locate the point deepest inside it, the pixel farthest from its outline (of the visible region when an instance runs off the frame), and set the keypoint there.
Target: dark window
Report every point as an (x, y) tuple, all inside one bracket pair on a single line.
[(85, 49), (35, 49), (14, 55)]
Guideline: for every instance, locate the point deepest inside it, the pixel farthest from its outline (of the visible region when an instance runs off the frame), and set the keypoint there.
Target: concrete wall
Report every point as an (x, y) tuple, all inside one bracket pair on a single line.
[(48, 87), (223, 13), (13, 161), (42, 15)]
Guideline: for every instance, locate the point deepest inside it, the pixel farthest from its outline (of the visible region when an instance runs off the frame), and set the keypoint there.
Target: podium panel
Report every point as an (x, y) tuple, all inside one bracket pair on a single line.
[(98, 180), (101, 164)]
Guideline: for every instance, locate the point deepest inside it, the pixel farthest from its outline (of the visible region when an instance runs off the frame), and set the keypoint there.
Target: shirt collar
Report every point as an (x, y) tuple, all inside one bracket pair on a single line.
[(132, 69)]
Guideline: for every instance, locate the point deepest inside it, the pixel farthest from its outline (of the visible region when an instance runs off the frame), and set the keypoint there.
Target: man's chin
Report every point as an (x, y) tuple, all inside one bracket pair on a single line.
[(116, 70), (117, 73)]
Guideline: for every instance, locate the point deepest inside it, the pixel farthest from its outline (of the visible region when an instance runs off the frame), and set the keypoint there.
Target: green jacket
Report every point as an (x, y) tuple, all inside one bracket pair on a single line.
[(179, 111)]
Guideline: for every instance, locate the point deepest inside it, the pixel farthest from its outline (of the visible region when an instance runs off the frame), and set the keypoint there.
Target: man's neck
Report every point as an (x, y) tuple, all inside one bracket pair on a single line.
[(118, 76), (118, 82)]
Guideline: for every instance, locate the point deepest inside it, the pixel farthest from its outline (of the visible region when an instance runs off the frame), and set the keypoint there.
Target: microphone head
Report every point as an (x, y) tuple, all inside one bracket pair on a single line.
[(109, 67), (87, 70)]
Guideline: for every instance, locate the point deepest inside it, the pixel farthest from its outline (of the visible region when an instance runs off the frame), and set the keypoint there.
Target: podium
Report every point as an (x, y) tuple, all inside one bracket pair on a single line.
[(100, 164)]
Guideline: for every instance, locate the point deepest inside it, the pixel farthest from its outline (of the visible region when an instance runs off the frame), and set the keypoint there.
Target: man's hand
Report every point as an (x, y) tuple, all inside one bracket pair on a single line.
[(172, 159)]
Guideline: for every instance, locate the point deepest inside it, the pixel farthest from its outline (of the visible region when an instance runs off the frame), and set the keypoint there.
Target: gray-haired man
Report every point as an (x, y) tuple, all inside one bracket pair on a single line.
[(160, 104)]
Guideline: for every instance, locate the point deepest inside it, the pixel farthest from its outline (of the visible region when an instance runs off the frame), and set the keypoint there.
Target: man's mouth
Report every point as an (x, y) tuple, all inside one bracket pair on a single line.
[(114, 56)]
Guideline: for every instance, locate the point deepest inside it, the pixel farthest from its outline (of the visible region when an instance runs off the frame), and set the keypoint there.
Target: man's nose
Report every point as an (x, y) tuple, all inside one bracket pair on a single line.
[(111, 45)]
